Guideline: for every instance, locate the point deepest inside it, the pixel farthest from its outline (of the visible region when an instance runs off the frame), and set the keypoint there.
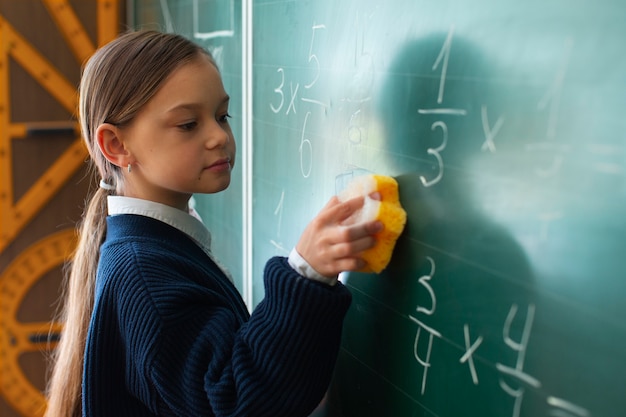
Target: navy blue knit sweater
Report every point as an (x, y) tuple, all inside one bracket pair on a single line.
[(171, 336)]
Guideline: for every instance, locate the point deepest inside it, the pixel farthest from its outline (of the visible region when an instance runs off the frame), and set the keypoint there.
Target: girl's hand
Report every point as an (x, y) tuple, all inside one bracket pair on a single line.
[(331, 247)]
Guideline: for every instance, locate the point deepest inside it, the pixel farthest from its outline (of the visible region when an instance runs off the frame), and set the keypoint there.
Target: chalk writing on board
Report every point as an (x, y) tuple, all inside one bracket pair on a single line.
[(167, 16), (278, 213), (444, 55), (205, 33), (470, 348), (490, 131), (602, 151), (550, 102), (440, 63), (516, 372), (520, 347), (423, 280), (554, 94), (425, 362), (279, 90), (305, 148), (294, 87), (436, 152), (359, 91), (355, 129), (563, 408), (306, 164), (313, 56), (225, 32)]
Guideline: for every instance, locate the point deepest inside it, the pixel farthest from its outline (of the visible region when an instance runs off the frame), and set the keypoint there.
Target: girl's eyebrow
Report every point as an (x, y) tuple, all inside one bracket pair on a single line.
[(194, 106)]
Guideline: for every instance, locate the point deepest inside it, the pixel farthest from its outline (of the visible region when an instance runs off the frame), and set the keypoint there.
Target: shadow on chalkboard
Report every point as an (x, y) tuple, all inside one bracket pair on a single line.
[(454, 270)]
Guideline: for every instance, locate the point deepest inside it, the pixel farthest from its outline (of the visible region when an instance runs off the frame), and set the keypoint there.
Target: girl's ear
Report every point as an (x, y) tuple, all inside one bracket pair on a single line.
[(112, 146)]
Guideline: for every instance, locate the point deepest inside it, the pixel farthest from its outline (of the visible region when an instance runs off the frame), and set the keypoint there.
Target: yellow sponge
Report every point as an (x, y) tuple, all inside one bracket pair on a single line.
[(388, 211)]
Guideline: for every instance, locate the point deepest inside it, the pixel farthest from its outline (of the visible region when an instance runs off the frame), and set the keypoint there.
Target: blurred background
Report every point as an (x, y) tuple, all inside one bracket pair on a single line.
[(43, 178)]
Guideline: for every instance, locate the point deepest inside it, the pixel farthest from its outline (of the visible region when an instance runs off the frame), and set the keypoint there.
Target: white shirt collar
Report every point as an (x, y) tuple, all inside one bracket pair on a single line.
[(189, 223)]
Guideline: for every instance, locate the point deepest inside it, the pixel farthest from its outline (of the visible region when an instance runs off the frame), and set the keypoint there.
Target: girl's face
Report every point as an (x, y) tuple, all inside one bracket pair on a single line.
[(181, 141)]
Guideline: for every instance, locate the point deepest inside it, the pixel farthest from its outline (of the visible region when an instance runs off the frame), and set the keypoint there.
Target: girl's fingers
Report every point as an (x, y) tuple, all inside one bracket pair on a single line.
[(336, 212), (353, 248), (361, 230), (330, 247), (349, 264), (351, 241)]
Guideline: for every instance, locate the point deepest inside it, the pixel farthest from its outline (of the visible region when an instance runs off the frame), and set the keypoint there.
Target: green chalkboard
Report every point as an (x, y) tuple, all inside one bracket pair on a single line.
[(502, 122)]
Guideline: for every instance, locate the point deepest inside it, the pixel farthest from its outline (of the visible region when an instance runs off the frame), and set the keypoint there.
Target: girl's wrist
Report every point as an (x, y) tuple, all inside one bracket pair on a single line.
[(302, 267)]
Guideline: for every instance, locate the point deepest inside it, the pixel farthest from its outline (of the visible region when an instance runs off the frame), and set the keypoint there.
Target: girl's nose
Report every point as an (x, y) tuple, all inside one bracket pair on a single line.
[(217, 135)]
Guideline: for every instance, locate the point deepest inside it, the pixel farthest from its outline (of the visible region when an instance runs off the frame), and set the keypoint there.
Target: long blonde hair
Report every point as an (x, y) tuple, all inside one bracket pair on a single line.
[(117, 81)]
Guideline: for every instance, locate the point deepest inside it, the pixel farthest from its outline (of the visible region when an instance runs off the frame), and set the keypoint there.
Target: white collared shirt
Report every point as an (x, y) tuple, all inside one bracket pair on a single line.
[(191, 224)]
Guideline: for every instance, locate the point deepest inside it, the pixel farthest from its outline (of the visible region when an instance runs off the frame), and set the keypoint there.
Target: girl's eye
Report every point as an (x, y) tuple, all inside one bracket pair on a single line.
[(188, 126), (224, 118)]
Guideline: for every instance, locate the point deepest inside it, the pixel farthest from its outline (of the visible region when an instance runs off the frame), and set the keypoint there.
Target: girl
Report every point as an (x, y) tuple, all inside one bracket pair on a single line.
[(153, 326)]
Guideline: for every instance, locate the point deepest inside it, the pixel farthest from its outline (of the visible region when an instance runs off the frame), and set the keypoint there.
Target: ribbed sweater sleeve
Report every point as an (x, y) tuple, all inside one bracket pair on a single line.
[(284, 356), (170, 335)]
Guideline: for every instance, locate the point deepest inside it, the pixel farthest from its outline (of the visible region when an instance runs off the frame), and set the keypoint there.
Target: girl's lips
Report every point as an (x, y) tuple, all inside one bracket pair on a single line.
[(220, 165)]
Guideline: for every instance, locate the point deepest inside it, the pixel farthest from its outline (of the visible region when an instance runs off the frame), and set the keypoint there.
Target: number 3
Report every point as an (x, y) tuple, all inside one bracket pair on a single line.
[(435, 152), (279, 91)]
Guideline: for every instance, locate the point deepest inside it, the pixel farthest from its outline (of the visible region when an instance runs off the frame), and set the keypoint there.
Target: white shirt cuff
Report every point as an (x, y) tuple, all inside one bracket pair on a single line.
[(302, 267)]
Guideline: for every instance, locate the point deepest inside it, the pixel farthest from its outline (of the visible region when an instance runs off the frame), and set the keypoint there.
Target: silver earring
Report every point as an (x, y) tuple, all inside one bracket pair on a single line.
[(129, 168)]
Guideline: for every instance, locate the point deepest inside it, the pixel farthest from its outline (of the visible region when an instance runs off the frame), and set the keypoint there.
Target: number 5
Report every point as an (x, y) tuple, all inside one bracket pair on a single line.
[(313, 57)]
